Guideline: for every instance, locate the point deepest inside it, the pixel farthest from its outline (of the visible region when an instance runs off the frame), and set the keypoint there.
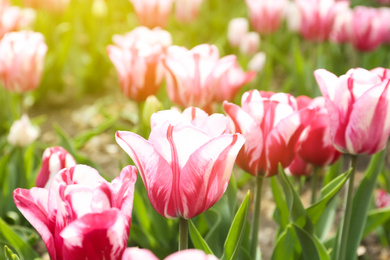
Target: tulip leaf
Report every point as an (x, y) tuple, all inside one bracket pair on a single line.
[(236, 231), (21, 247), (284, 247), (312, 248), (9, 255), (327, 193), (198, 240), (361, 203), (281, 214), (375, 218)]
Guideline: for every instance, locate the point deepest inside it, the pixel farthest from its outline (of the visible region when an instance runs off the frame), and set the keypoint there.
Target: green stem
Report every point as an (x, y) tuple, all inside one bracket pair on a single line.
[(347, 212), (183, 234), (256, 216), (314, 182)]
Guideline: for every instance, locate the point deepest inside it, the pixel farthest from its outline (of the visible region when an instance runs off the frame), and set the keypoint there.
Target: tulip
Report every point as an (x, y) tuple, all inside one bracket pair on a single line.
[(152, 13), (199, 77), (292, 16), (22, 57), (13, 18), (137, 57), (81, 216), (272, 125), (299, 167), (50, 5), (257, 62), (358, 104), (317, 17), (342, 27), (382, 199), (368, 29), (187, 10), (133, 253), (22, 132), (185, 167), (238, 27), (250, 43), (54, 159), (266, 15)]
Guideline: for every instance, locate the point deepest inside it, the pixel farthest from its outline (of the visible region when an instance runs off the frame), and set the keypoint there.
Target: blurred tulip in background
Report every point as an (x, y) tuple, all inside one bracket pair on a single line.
[(187, 10), (22, 132), (152, 13), (134, 253)]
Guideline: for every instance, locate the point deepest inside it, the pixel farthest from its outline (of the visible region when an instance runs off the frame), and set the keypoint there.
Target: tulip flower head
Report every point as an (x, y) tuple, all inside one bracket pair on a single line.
[(382, 199), (186, 164), (22, 56), (298, 167), (137, 57), (134, 253), (237, 29), (359, 106), (81, 216), (50, 5), (187, 10), (54, 159), (22, 132), (152, 13), (271, 124), (13, 18)]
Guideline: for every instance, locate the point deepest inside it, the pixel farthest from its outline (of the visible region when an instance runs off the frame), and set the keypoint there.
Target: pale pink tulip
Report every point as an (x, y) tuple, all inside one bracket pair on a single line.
[(199, 77), (237, 28), (185, 166), (317, 17), (137, 57), (266, 15), (382, 199), (271, 125), (187, 10), (359, 108), (152, 13), (250, 43), (50, 5), (385, 15), (342, 27), (54, 159), (133, 253), (257, 62), (13, 18), (23, 132), (81, 216), (22, 56)]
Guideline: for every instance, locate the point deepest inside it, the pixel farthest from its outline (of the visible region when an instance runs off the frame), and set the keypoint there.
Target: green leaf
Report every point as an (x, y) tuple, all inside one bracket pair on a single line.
[(312, 248), (23, 249), (327, 193), (198, 240), (236, 231), (361, 203), (282, 213), (375, 218), (284, 247), (9, 255)]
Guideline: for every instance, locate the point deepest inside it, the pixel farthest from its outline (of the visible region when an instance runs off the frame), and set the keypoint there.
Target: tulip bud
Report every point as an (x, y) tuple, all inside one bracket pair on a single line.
[(22, 132), (250, 43), (187, 10), (257, 62), (152, 105), (54, 159), (382, 199), (238, 27)]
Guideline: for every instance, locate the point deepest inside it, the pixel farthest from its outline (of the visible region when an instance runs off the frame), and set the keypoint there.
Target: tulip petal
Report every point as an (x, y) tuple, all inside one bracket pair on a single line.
[(135, 253), (205, 176), (190, 254), (33, 205)]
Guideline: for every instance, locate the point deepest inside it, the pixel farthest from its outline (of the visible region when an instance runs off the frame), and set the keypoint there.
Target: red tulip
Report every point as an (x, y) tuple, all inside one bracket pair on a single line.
[(266, 15), (137, 56), (22, 57), (272, 125), (185, 166), (133, 253), (359, 106), (152, 13), (298, 167), (81, 216), (54, 159)]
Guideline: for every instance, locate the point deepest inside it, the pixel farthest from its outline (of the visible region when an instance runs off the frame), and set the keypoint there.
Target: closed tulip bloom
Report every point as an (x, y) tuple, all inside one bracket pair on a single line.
[(22, 56), (385, 16), (185, 166), (368, 29), (266, 15), (315, 145), (257, 62), (342, 28), (54, 159), (137, 57), (81, 216), (133, 253), (359, 105), (237, 28), (299, 167), (22, 132), (317, 17), (152, 13), (13, 18), (187, 10), (382, 199), (271, 125), (250, 43)]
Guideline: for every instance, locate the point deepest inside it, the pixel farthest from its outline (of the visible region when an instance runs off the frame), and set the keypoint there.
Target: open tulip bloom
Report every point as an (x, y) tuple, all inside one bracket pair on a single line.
[(185, 169), (81, 216)]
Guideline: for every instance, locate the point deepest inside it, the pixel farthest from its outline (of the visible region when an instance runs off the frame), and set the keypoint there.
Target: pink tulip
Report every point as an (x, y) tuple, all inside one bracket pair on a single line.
[(54, 159), (358, 104), (342, 27), (368, 29), (133, 253), (185, 165), (317, 17), (315, 145), (382, 199), (50, 5), (272, 125), (266, 15), (187, 10), (13, 18), (298, 167), (237, 29), (137, 57), (22, 56), (152, 13), (199, 77), (250, 43), (23, 132), (385, 16), (81, 216), (257, 62)]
